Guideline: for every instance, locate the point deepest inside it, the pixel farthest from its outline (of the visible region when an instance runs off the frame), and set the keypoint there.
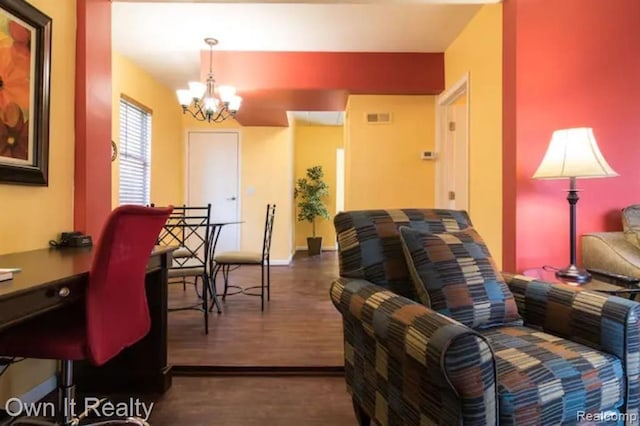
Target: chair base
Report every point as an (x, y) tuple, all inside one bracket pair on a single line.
[(203, 305), (265, 279), (247, 290), (237, 290)]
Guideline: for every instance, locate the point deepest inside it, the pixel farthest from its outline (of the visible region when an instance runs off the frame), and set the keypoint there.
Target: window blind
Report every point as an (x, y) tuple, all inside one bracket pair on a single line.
[(135, 153)]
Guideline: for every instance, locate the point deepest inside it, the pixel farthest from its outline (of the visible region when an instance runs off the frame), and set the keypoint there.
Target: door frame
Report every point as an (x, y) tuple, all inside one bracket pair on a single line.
[(239, 168), (443, 101)]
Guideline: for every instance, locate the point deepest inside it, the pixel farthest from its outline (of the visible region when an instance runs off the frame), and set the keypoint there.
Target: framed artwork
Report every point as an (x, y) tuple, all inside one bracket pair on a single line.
[(25, 70)]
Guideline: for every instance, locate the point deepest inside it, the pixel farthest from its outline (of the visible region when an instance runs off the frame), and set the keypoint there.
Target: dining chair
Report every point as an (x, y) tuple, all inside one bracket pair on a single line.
[(188, 228), (113, 315), (226, 260)]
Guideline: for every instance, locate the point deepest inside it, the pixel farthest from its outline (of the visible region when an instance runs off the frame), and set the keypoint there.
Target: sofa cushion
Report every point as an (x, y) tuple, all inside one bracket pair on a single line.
[(631, 224), (369, 243), (454, 274), (551, 379)]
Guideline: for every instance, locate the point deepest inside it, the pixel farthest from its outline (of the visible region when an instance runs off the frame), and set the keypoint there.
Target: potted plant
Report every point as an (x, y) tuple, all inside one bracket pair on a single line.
[(310, 191)]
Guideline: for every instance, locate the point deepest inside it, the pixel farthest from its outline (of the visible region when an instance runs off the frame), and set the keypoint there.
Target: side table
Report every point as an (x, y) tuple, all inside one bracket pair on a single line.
[(596, 284)]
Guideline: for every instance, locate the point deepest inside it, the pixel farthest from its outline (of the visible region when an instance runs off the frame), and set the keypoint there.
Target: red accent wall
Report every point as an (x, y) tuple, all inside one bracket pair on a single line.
[(509, 137), (568, 63), (92, 179), (361, 72), (272, 83)]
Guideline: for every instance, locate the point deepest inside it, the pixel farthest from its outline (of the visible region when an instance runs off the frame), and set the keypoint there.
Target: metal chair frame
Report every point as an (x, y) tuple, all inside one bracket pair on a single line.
[(265, 265), (190, 228)]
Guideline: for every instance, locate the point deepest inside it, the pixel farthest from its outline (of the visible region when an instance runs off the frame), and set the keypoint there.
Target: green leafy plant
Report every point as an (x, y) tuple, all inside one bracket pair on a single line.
[(310, 191)]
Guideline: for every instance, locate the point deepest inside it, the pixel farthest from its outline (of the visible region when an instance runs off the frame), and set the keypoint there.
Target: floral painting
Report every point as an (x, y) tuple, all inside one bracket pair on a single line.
[(25, 56), (15, 91)]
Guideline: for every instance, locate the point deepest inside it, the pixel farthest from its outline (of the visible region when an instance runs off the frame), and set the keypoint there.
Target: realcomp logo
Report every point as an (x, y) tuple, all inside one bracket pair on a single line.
[(607, 416)]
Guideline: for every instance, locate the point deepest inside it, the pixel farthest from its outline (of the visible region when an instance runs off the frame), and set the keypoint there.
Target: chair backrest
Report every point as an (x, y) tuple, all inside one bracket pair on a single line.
[(116, 302), (268, 230), (631, 218), (369, 245), (188, 227)]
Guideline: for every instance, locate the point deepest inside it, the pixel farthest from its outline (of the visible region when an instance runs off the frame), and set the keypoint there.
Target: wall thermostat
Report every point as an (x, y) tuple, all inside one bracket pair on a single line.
[(428, 155)]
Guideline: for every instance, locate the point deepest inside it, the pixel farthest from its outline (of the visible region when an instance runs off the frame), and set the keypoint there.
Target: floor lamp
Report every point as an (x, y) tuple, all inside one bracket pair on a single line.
[(573, 153)]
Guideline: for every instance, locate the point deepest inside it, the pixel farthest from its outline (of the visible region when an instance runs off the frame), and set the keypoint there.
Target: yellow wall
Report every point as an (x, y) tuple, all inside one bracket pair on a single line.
[(34, 215), (267, 168), (167, 150), (266, 176), (316, 145), (22, 226), (382, 161), (478, 51)]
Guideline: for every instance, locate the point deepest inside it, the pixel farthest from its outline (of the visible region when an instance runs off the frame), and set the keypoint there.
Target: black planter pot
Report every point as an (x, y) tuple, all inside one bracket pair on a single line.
[(314, 245)]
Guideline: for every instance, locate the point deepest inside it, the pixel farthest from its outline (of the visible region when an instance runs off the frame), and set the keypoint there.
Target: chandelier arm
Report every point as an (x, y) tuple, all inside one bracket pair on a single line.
[(202, 115), (222, 115), (215, 118), (198, 114)]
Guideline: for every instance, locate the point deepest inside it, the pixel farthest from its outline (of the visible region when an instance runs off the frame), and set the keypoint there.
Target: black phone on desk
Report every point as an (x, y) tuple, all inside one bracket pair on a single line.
[(72, 239)]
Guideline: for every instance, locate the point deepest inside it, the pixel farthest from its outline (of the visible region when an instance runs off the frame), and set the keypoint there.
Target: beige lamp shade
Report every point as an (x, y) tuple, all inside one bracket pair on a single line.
[(573, 153)]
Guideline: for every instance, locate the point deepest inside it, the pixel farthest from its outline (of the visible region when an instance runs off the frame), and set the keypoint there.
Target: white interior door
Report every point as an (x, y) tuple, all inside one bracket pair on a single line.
[(452, 144), (212, 177), (456, 157)]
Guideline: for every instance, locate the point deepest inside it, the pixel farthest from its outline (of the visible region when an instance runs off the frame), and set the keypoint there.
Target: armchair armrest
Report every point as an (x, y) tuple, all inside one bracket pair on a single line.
[(403, 359), (600, 321), (611, 252)]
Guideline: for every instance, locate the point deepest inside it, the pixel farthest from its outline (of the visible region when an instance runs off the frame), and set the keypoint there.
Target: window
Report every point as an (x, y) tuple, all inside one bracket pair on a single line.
[(135, 152)]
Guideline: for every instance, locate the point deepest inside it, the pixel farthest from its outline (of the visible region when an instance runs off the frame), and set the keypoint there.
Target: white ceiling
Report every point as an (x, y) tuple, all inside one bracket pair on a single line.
[(325, 118), (165, 38)]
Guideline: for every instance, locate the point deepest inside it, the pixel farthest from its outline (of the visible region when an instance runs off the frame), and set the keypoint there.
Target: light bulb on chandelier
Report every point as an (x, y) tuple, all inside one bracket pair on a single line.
[(204, 102)]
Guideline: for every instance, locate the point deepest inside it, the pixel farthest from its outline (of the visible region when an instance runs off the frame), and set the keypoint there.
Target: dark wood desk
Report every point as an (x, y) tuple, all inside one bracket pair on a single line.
[(53, 278)]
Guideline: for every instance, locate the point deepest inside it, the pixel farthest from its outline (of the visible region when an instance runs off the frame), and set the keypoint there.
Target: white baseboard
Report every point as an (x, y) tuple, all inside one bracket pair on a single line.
[(327, 248), (281, 262)]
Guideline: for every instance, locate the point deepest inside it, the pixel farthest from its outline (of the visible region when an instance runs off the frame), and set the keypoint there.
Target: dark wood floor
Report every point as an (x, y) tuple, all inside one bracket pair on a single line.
[(255, 401), (299, 326)]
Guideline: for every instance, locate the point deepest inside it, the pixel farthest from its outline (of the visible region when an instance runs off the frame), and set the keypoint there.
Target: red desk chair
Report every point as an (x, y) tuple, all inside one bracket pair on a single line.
[(115, 314)]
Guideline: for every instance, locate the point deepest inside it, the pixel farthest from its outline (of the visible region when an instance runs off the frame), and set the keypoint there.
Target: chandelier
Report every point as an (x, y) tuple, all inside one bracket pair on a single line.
[(206, 103)]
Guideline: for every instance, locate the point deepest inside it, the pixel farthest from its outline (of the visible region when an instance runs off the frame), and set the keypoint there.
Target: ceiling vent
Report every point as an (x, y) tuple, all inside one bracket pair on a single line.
[(378, 117)]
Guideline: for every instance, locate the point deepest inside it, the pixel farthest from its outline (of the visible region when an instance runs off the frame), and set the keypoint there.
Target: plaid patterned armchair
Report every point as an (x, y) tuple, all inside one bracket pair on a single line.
[(575, 359)]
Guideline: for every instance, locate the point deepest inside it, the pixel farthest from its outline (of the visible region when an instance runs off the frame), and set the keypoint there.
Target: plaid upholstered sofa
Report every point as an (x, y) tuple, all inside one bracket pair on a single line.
[(573, 358)]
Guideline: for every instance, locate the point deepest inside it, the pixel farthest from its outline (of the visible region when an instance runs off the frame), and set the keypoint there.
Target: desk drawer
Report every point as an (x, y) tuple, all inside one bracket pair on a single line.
[(24, 306)]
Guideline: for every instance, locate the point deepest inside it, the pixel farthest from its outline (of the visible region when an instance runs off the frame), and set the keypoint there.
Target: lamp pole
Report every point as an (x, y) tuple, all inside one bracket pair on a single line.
[(572, 198), (572, 272)]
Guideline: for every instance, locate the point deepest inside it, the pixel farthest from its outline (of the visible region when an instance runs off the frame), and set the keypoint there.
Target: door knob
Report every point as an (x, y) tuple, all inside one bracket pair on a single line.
[(231, 199)]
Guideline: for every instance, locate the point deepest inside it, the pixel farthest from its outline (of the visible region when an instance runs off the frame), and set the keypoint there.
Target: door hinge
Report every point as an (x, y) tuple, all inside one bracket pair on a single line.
[(452, 126), (452, 195)]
